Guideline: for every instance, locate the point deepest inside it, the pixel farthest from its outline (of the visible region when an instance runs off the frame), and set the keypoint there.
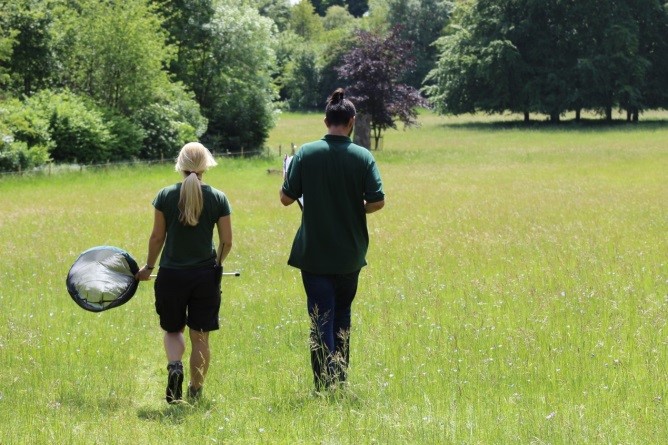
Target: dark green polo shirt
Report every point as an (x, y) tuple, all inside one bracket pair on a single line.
[(334, 176), (190, 246)]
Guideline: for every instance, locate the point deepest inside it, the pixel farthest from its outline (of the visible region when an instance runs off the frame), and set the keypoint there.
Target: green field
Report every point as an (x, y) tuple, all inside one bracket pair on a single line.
[(516, 293)]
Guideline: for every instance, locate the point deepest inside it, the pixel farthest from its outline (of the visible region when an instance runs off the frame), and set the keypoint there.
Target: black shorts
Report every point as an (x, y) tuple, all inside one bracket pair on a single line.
[(187, 297)]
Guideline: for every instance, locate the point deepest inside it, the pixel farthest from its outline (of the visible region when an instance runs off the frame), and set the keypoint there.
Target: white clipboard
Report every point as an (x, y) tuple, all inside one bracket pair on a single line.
[(286, 164)]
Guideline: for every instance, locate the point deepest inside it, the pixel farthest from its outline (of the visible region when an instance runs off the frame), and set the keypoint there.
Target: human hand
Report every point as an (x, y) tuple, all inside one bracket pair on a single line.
[(144, 274)]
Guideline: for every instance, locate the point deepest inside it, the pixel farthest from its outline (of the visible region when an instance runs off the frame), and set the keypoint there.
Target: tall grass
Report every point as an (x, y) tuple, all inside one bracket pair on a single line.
[(517, 292)]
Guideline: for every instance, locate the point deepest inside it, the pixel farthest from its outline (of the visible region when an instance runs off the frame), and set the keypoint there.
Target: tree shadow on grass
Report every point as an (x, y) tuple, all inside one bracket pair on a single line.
[(562, 126), (173, 414)]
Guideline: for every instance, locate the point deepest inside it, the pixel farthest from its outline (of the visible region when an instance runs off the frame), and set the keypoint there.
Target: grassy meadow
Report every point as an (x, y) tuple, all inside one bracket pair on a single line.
[(516, 293)]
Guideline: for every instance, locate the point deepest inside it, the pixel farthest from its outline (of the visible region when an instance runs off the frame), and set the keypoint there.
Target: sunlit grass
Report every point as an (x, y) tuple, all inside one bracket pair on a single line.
[(517, 292)]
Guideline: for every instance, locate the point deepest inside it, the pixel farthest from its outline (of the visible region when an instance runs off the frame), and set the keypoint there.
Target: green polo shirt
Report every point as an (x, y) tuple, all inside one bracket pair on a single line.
[(190, 246), (334, 176)]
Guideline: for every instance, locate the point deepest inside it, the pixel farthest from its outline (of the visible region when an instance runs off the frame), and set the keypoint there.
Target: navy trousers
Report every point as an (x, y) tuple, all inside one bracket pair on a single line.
[(329, 298)]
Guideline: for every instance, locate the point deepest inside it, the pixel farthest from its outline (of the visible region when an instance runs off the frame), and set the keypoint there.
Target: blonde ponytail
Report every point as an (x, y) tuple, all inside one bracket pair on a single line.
[(190, 200), (193, 160)]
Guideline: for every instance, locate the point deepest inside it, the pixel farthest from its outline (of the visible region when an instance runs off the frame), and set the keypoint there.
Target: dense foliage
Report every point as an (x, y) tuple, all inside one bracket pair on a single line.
[(356, 7), (89, 77), (553, 56), (421, 23), (373, 69), (147, 75)]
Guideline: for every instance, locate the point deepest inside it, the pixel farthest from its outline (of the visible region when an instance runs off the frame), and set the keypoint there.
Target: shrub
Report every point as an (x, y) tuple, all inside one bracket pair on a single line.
[(161, 137), (24, 137), (243, 122), (126, 137), (25, 124), (169, 123), (302, 78), (17, 156), (77, 127)]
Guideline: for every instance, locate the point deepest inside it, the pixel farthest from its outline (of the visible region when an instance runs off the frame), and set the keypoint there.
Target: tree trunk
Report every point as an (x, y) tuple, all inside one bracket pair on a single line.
[(377, 137), (526, 117), (635, 115), (362, 134), (554, 117), (577, 115), (608, 114)]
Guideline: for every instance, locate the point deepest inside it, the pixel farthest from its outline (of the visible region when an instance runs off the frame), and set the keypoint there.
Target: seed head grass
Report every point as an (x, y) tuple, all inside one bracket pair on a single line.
[(516, 292)]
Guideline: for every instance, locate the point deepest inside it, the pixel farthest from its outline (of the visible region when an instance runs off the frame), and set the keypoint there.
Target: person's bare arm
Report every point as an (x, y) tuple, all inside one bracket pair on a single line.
[(370, 207), (224, 225), (155, 243), (285, 199)]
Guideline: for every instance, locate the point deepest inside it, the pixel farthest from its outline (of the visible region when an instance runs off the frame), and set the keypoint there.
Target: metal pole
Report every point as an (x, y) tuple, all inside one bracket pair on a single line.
[(235, 274)]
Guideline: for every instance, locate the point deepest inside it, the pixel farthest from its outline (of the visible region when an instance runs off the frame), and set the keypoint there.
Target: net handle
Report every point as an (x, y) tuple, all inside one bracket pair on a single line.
[(235, 274)]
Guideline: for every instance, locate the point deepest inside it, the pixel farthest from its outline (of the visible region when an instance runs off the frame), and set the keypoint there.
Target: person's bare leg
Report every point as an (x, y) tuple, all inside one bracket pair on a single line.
[(199, 358), (175, 346)]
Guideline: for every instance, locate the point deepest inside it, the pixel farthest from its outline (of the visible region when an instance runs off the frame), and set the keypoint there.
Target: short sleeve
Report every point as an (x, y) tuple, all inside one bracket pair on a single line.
[(224, 208), (373, 188), (159, 201)]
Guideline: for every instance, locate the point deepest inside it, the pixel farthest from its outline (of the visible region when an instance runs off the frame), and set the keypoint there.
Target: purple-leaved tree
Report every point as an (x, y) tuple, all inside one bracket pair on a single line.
[(373, 69)]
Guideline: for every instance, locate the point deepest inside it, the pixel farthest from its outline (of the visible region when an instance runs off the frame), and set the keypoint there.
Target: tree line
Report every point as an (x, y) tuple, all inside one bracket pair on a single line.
[(553, 56), (107, 80)]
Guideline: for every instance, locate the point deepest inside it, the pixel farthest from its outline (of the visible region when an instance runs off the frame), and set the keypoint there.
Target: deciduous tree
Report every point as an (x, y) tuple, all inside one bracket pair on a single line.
[(25, 46), (277, 10), (422, 23), (373, 69), (238, 94), (552, 56), (225, 57), (115, 52), (356, 7), (304, 21)]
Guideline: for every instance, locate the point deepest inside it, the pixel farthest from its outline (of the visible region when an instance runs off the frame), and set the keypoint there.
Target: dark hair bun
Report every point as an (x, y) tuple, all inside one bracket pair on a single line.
[(339, 110), (337, 96)]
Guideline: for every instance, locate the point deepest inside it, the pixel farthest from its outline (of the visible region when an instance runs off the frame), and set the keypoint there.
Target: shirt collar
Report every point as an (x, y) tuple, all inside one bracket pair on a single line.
[(336, 138)]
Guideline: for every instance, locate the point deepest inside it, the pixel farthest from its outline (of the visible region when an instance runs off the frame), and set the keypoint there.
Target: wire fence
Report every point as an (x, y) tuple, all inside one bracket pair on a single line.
[(52, 168)]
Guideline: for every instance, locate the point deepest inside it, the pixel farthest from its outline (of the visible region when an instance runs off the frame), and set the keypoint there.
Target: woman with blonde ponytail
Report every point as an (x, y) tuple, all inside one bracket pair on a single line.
[(187, 287)]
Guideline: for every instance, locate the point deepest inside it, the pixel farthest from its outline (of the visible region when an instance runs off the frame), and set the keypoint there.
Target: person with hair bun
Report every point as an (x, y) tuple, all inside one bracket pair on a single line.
[(339, 184), (187, 287)]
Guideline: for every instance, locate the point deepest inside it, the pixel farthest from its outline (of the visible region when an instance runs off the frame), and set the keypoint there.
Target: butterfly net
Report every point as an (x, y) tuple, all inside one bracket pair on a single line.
[(102, 278)]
